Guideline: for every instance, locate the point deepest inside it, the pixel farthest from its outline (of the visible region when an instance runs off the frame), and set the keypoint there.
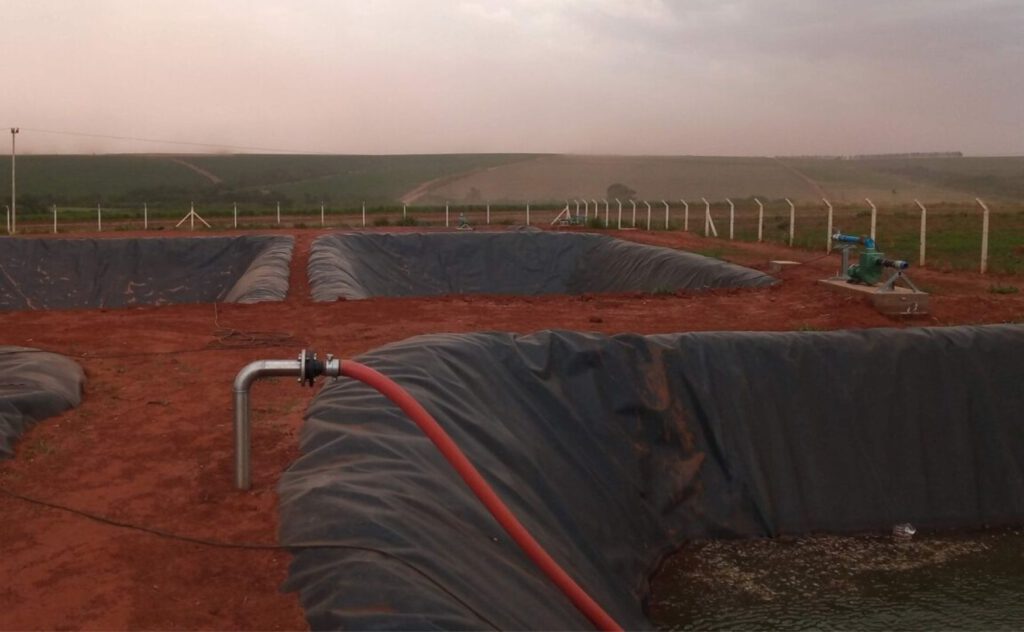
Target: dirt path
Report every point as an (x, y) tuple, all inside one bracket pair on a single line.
[(212, 177), (151, 443), (810, 181)]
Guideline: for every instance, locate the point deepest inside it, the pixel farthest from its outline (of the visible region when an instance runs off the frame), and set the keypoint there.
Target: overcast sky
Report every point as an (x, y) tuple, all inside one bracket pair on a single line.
[(583, 76)]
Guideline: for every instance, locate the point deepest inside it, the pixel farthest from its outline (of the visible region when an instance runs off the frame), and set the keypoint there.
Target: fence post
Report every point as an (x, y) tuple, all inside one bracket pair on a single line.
[(488, 213), (707, 216), (54, 219), (278, 212), (322, 213), (924, 230), (828, 230), (792, 222), (874, 217), (732, 217), (145, 216), (619, 202), (666, 213), (586, 210), (760, 220), (606, 207), (99, 219), (527, 213), (235, 205), (633, 202), (597, 214), (648, 214), (984, 236), (445, 214), (686, 215)]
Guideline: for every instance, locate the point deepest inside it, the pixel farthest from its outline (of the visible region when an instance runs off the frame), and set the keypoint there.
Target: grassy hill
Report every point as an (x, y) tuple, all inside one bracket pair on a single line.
[(804, 180), (294, 180), (302, 181)]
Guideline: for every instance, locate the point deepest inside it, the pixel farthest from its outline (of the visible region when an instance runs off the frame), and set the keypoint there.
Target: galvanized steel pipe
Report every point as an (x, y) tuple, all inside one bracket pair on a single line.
[(306, 368)]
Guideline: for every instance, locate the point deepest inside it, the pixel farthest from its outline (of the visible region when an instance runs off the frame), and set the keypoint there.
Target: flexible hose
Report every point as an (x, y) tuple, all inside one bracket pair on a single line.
[(400, 397)]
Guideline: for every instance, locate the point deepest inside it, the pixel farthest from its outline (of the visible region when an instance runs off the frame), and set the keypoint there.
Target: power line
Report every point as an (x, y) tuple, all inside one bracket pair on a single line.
[(175, 142)]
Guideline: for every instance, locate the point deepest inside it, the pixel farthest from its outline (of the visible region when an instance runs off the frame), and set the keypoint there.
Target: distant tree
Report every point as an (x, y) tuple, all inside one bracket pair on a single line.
[(620, 191)]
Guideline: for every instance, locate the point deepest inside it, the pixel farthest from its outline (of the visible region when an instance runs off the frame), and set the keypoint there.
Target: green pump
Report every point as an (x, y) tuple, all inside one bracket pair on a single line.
[(869, 266)]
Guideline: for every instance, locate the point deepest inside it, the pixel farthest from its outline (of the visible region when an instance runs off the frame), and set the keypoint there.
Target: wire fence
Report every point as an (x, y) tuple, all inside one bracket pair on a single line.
[(943, 236)]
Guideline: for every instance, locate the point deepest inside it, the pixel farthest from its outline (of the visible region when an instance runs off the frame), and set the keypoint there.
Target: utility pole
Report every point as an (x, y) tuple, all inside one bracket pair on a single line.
[(14, 207)]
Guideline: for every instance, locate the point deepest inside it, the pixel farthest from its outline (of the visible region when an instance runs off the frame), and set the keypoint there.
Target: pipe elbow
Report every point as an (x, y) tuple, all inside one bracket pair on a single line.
[(249, 374)]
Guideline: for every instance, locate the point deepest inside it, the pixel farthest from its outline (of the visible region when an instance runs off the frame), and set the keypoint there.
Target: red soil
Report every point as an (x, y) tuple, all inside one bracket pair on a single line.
[(151, 443)]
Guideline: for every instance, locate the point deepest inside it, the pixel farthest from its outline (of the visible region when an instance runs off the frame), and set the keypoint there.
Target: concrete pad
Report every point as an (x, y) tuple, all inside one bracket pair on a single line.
[(778, 265), (900, 301)]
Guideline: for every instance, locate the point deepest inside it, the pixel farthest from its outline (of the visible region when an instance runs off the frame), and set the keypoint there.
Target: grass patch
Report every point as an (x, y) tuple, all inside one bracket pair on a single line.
[(996, 288), (39, 447)]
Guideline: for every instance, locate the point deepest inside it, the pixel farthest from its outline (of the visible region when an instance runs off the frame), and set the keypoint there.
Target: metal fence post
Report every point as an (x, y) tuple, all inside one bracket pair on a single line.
[(874, 217), (792, 222), (760, 220), (707, 216), (732, 217), (924, 231), (984, 235), (828, 229)]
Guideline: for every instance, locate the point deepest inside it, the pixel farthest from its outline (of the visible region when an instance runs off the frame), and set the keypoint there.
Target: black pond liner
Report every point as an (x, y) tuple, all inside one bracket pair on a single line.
[(99, 273), (34, 385), (615, 450), (357, 266)]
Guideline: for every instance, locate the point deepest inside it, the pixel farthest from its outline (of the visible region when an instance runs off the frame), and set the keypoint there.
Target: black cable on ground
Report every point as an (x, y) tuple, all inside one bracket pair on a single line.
[(248, 546)]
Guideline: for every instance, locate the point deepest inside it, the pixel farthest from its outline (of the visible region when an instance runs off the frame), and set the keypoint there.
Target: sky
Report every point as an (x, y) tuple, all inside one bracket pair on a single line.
[(689, 77)]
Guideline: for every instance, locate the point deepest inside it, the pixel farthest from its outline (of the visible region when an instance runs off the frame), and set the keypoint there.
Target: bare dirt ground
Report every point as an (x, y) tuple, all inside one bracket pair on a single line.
[(151, 443)]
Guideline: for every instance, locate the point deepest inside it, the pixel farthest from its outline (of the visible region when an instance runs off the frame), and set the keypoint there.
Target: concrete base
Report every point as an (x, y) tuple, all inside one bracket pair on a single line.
[(779, 265), (900, 301)]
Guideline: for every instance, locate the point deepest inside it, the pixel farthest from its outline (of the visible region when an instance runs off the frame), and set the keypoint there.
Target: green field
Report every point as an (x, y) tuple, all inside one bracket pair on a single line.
[(346, 181), (887, 181), (257, 183), (260, 180)]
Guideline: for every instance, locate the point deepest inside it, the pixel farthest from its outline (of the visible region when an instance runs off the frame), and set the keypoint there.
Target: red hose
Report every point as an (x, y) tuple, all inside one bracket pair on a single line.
[(583, 602)]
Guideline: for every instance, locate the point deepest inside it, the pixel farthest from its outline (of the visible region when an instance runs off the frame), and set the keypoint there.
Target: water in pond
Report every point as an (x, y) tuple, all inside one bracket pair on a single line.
[(927, 582)]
